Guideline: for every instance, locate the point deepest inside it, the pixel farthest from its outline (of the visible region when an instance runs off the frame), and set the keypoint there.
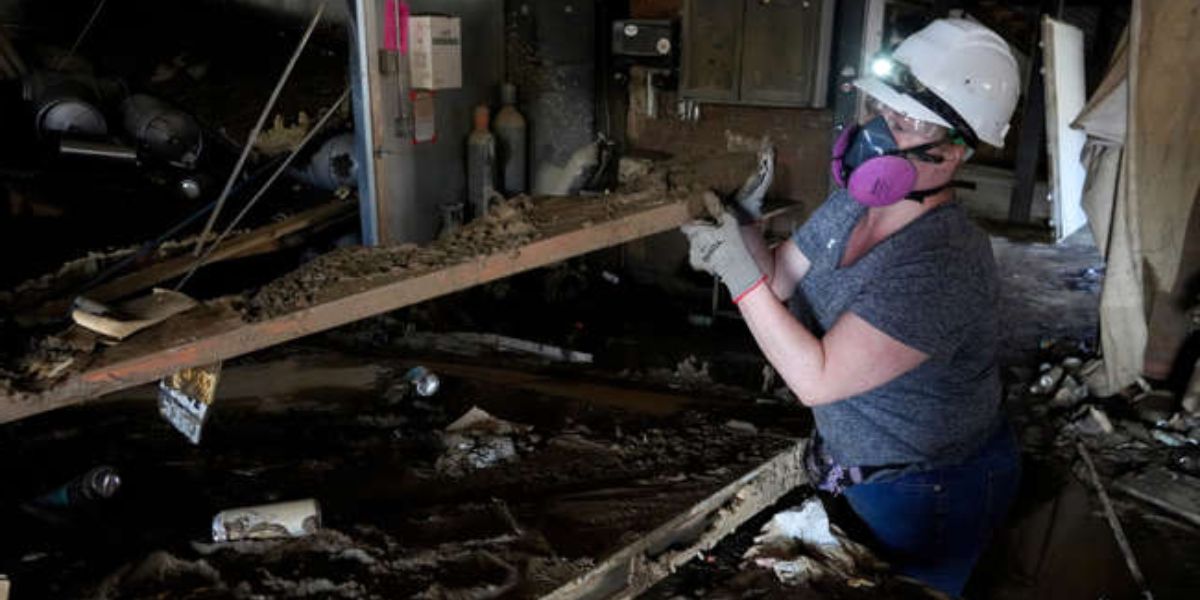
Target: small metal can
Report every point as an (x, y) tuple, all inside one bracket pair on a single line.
[(423, 382), (297, 518)]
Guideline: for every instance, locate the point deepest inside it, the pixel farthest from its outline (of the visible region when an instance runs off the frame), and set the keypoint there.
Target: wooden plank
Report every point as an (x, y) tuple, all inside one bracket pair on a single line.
[(258, 241), (640, 565), (1174, 493), (1065, 91), (215, 333)]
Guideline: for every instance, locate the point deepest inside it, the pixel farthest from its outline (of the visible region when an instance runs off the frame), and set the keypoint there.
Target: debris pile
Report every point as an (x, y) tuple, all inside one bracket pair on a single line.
[(46, 359), (477, 440), (1144, 441), (432, 496), (507, 226), (1058, 407), (800, 546)]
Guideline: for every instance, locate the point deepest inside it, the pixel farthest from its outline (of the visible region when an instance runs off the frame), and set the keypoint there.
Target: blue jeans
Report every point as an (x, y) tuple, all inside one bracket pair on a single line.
[(933, 525)]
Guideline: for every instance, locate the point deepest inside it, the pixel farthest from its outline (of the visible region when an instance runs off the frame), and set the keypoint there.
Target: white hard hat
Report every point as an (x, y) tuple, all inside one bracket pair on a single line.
[(966, 65)]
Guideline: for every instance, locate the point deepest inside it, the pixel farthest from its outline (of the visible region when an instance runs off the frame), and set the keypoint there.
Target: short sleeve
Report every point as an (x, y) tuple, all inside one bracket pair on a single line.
[(918, 302), (812, 238)]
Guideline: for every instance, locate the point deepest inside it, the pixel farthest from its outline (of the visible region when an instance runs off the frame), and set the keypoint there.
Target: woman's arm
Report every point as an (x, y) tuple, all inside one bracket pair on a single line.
[(852, 358), (784, 267)]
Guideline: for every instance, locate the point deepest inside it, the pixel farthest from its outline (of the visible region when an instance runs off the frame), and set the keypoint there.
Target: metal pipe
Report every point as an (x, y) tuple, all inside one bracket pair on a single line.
[(362, 47), (200, 261), (262, 119), (90, 149)]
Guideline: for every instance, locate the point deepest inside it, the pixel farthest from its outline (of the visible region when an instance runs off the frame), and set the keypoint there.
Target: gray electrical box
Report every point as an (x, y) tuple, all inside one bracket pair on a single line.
[(643, 38), (758, 52)]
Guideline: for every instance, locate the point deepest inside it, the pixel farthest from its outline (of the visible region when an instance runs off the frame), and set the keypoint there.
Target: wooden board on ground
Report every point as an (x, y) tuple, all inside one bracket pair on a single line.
[(640, 565), (1172, 492), (215, 331)]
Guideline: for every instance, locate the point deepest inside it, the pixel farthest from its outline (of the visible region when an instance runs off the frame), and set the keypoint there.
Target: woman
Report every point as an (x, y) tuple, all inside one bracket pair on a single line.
[(901, 372)]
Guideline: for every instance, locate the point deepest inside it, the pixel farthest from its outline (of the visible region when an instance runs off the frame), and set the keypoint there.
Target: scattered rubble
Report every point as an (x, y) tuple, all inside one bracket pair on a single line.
[(690, 373), (507, 226), (801, 546), (477, 440), (1143, 440), (1146, 417)]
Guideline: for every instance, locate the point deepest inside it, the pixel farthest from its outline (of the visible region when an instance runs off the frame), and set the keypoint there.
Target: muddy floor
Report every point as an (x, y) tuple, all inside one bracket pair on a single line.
[(603, 452), (403, 517), (1048, 293)]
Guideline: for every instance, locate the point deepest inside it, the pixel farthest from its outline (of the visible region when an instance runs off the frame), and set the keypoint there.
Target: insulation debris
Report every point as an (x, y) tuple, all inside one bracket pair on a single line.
[(280, 137), (800, 545), (477, 440)]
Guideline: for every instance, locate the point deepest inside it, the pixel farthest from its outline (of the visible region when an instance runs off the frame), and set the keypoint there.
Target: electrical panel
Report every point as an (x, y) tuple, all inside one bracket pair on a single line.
[(636, 39)]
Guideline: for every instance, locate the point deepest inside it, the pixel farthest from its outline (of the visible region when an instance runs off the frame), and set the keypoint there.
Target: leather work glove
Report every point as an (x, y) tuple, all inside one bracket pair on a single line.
[(718, 249), (748, 201)]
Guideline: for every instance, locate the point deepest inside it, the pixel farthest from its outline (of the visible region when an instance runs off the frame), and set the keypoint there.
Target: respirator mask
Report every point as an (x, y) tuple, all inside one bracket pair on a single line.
[(866, 159), (868, 163)]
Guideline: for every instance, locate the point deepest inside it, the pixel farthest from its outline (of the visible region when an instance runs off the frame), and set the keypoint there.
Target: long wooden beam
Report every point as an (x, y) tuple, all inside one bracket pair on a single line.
[(214, 333)]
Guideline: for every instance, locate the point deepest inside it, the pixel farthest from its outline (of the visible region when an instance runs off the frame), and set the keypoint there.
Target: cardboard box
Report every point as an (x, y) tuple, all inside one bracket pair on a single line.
[(435, 52)]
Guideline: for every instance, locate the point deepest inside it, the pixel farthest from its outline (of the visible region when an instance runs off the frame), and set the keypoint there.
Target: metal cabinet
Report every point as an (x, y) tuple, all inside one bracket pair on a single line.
[(763, 52)]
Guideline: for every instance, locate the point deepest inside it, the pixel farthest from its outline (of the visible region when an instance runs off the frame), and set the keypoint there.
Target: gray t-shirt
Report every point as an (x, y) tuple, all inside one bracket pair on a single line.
[(932, 286)]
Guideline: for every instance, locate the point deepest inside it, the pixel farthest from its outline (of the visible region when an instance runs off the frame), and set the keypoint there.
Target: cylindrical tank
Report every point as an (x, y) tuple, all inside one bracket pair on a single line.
[(334, 164), (512, 143), (64, 105), (70, 116), (481, 164), (162, 131)]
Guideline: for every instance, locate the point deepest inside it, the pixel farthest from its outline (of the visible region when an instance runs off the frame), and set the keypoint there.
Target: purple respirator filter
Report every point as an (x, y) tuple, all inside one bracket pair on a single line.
[(863, 164)]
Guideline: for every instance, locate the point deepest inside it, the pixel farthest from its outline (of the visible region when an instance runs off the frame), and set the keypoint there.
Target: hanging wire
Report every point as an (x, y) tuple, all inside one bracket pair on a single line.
[(263, 190), (82, 34), (253, 137)]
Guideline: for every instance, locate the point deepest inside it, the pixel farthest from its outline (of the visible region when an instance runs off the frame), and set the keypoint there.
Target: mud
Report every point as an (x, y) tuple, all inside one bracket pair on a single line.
[(587, 479), (509, 225), (34, 359)]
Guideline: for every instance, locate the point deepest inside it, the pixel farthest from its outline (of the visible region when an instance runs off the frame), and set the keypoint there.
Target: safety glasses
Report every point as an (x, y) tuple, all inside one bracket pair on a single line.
[(900, 78), (904, 124)]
